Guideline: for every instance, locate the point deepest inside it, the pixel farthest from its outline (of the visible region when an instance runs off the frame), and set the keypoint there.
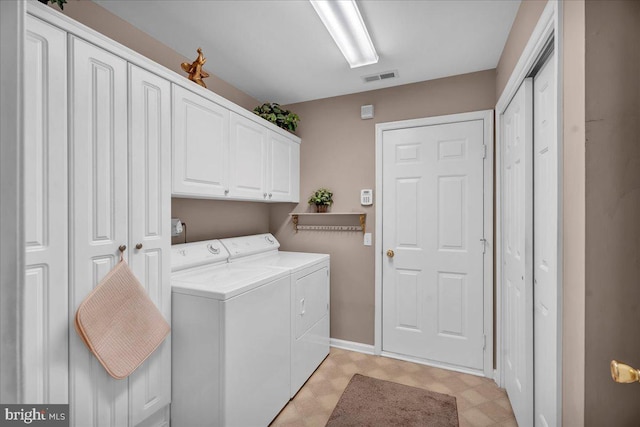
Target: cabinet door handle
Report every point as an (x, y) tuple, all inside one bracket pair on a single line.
[(264, 195), (226, 192), (139, 246), (270, 195)]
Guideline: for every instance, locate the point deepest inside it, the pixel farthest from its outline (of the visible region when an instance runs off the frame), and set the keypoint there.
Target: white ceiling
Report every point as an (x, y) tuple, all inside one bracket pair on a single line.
[(279, 51)]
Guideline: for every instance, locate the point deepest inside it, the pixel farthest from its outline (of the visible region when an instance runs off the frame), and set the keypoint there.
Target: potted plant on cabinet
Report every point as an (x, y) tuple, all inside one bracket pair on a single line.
[(60, 3), (322, 199), (277, 115)]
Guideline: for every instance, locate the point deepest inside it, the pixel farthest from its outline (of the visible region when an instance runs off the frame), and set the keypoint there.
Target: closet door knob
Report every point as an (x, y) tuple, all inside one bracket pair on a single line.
[(122, 248), (139, 246)]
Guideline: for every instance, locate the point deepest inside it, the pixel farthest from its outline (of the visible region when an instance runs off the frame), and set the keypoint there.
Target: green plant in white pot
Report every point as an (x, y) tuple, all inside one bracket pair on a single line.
[(322, 199)]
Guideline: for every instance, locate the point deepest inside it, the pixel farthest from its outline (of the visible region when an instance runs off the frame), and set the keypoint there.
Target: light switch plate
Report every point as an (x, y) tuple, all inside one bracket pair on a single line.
[(367, 239)]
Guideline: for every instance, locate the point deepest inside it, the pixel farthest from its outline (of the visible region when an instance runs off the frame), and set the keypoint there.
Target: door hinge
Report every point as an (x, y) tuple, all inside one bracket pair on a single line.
[(484, 151), (484, 343), (484, 244)]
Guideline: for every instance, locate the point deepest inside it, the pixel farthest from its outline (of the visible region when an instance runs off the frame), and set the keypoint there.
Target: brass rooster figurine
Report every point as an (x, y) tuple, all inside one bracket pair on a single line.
[(196, 73)]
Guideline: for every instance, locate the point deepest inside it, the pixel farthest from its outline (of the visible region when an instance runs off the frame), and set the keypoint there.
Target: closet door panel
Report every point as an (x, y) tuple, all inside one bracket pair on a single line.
[(149, 225), (45, 343), (98, 145)]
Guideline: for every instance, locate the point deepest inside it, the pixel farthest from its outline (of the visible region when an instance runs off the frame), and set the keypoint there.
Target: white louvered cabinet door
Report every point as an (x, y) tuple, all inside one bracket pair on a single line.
[(149, 226), (98, 216)]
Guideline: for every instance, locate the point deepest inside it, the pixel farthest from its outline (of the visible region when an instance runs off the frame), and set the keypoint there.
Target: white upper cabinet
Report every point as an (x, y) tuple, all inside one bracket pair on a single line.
[(283, 169), (200, 146), (247, 159), (219, 153)]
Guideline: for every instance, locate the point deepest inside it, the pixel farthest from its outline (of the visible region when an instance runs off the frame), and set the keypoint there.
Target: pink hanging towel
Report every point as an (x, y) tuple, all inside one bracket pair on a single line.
[(119, 323)]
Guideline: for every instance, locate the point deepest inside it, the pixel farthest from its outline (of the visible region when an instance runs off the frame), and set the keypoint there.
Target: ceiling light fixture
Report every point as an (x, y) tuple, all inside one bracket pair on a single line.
[(344, 22)]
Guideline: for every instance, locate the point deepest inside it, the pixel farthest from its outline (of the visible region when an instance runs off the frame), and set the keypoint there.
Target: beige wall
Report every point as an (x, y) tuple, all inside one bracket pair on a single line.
[(218, 219), (612, 208), (98, 18), (338, 151), (526, 19), (573, 205)]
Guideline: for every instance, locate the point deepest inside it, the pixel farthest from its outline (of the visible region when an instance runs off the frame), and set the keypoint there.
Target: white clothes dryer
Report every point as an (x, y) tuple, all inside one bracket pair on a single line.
[(309, 275), (231, 339)]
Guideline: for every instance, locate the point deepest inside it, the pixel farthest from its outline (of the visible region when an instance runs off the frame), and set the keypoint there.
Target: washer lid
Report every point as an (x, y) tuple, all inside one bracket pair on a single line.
[(188, 255), (223, 281), (292, 261), (244, 246)]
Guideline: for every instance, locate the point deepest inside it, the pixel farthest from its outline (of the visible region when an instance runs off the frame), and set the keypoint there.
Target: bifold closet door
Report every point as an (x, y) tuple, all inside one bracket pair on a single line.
[(517, 256), (98, 216), (149, 226), (45, 339)]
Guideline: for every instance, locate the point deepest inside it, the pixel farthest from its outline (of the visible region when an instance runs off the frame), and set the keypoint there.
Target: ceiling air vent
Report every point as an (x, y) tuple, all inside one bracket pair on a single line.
[(381, 76)]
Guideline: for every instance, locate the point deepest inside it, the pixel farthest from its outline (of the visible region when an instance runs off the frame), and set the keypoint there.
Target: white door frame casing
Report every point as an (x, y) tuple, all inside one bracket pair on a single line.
[(548, 26), (487, 117)]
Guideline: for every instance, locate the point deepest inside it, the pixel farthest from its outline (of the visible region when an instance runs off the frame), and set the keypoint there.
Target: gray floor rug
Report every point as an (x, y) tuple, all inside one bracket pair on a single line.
[(369, 402)]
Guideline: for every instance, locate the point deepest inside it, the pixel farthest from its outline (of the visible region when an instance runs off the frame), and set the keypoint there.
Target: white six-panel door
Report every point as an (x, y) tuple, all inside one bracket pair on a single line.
[(149, 226), (45, 339), (98, 214), (433, 286), (517, 220), (545, 229)]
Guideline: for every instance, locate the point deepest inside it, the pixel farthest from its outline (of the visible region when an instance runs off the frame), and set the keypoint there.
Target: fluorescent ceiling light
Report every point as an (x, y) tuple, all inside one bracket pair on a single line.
[(344, 22)]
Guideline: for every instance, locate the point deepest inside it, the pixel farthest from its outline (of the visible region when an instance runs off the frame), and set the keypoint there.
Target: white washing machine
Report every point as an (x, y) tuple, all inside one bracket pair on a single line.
[(231, 339), (309, 279)]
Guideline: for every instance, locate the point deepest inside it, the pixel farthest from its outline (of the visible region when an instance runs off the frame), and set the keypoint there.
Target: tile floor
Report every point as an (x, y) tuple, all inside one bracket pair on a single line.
[(480, 401)]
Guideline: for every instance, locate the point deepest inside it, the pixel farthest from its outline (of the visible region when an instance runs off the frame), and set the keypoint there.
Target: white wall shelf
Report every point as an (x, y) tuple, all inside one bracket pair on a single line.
[(295, 218)]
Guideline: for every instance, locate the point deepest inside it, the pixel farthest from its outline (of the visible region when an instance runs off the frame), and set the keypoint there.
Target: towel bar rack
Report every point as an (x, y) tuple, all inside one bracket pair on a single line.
[(295, 218)]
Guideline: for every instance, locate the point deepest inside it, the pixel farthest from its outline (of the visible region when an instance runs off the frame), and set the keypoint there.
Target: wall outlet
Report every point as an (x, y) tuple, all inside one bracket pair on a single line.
[(367, 239)]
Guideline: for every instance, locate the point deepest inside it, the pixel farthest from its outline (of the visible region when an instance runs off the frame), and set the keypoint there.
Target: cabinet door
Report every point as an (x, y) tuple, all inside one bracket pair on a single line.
[(98, 215), (283, 181), (149, 226), (200, 146), (247, 159), (45, 351)]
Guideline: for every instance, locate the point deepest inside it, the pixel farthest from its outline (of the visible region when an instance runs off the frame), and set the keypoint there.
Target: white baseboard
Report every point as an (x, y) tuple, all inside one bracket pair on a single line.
[(352, 346)]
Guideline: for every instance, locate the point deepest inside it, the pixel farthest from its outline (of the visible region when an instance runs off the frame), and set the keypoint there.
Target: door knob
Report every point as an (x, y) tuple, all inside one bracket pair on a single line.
[(390, 253), (623, 373), (139, 246), (122, 248)]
